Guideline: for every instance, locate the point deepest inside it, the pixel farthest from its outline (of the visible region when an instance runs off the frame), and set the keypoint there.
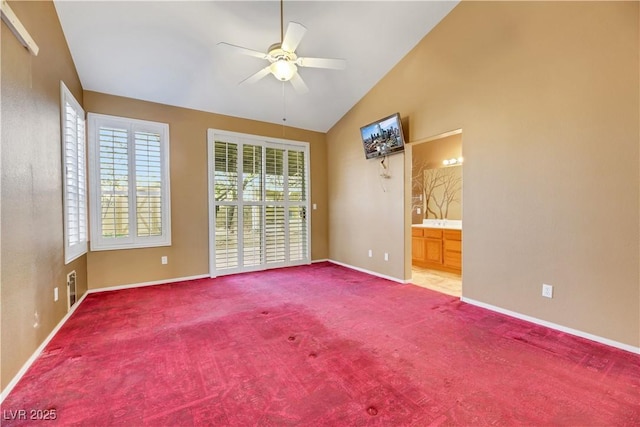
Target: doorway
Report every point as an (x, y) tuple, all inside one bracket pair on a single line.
[(436, 213)]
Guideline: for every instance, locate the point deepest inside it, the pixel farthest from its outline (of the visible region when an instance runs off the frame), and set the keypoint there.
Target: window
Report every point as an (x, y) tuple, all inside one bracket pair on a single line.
[(129, 178), (74, 180), (258, 191)]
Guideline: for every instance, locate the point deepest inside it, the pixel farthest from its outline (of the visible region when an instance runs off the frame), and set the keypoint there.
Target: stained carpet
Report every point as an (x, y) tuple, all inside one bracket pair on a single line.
[(317, 345)]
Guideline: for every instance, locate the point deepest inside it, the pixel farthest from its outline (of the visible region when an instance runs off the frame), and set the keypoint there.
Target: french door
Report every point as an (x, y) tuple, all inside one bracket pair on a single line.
[(258, 203)]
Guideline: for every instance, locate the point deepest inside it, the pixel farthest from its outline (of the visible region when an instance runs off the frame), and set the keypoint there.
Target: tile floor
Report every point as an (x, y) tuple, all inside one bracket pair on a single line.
[(440, 281)]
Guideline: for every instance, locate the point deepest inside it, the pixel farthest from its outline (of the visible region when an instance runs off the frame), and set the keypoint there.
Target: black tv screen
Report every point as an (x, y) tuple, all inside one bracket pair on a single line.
[(383, 137)]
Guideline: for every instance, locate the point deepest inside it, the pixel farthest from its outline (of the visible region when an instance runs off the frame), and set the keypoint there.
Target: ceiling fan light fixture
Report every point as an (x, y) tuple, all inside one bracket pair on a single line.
[(283, 69)]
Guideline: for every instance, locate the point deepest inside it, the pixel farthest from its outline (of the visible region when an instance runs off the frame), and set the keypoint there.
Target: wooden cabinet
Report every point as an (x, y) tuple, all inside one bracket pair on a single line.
[(437, 248), (452, 249)]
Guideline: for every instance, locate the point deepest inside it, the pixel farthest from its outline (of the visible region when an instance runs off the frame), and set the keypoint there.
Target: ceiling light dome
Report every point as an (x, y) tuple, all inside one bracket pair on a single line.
[(283, 69)]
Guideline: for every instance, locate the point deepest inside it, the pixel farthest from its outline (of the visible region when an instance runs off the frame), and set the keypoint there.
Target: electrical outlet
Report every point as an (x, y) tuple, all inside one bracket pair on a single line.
[(418, 211), (386, 256), (547, 291), (315, 206), (370, 253), (164, 260), (55, 294)]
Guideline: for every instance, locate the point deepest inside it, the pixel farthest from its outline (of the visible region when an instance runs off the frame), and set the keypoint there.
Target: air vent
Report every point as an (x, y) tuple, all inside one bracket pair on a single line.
[(71, 289)]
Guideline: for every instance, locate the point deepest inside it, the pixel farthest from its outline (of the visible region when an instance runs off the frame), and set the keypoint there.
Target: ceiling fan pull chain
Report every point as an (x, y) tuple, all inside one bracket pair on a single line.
[(284, 109)]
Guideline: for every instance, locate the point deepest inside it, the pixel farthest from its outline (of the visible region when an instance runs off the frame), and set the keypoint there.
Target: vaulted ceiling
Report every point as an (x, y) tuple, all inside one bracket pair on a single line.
[(167, 52)]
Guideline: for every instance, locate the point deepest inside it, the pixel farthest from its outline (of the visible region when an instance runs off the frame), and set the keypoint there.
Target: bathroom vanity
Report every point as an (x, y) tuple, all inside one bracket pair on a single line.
[(437, 244)]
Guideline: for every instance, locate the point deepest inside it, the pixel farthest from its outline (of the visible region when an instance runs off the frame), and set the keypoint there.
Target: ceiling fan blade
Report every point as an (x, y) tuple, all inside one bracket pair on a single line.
[(298, 84), (257, 76), (335, 64), (242, 50), (292, 37)]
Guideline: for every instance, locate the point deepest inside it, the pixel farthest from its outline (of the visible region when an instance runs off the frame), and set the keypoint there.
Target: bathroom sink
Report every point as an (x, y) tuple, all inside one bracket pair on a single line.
[(443, 223)]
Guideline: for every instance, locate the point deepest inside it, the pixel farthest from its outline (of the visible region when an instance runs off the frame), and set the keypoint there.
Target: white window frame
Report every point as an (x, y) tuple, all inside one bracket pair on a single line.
[(75, 169), (240, 139), (98, 242)]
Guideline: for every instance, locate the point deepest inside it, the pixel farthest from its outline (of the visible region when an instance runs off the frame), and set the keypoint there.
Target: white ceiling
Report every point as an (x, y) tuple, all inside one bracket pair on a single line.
[(166, 52)]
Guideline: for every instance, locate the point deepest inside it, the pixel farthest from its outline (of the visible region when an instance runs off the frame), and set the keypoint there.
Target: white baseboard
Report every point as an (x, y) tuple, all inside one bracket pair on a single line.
[(39, 350), (153, 283), (373, 273), (313, 261), (578, 333)]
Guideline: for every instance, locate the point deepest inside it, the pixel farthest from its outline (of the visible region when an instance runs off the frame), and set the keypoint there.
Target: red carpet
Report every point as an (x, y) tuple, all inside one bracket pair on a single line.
[(317, 346)]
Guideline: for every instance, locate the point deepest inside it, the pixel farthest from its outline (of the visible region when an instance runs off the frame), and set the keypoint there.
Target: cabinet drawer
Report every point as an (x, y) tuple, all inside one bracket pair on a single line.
[(432, 233), (453, 235), (453, 245), (416, 232), (453, 259)]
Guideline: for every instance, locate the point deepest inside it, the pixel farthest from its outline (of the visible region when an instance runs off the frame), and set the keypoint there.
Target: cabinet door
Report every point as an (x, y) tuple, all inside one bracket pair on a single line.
[(433, 248), (417, 249)]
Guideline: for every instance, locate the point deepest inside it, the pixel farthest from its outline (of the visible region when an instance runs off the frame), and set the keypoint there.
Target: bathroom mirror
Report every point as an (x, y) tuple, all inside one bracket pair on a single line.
[(441, 192)]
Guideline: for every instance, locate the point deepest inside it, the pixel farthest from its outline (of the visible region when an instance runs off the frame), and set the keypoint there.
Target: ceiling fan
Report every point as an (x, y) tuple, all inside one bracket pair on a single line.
[(282, 56)]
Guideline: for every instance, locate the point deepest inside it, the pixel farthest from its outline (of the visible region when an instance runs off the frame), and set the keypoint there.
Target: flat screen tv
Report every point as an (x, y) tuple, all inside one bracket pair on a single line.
[(383, 137)]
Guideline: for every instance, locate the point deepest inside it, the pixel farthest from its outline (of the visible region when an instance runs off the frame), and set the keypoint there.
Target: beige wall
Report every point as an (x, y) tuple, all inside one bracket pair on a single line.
[(547, 96), (32, 229), (188, 253)]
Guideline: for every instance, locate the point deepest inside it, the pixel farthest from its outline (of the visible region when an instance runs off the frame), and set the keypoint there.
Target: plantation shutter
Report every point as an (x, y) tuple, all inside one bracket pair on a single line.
[(114, 182), (258, 195), (148, 184), (275, 220), (226, 193), (74, 176), (130, 183), (298, 209), (252, 210)]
